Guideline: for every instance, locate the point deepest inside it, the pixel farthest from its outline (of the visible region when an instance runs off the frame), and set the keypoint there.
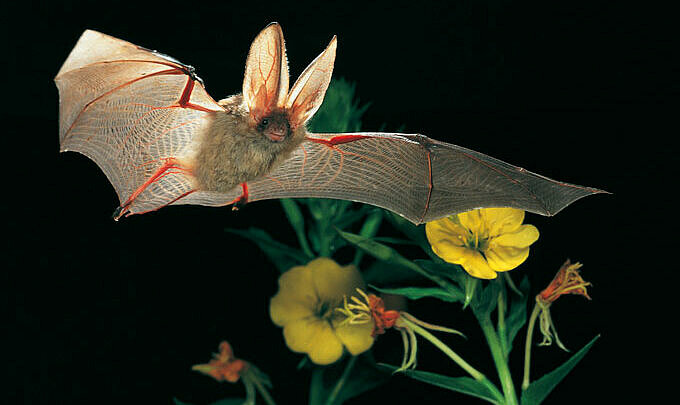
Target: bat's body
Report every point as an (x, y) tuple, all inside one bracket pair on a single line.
[(147, 121), (231, 153)]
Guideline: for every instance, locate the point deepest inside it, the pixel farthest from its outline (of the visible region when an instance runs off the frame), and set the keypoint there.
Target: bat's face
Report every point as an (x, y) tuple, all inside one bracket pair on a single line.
[(275, 127), (274, 110)]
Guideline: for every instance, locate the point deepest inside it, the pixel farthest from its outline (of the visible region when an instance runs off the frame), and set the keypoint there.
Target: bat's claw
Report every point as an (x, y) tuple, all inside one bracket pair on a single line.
[(242, 200), (119, 212), (238, 204)]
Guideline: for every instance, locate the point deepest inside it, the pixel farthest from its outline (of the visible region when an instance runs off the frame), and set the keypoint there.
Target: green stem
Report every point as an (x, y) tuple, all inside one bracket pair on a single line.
[(527, 346), (297, 221), (341, 382), (502, 331), (498, 358), (453, 356), (368, 230), (249, 379), (444, 348)]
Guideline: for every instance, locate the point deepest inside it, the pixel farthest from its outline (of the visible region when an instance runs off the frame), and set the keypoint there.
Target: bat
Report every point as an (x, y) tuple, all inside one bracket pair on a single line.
[(147, 121)]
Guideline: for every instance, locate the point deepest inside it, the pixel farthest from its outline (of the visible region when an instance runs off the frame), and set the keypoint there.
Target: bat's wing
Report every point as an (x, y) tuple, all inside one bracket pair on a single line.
[(136, 113), (417, 177)]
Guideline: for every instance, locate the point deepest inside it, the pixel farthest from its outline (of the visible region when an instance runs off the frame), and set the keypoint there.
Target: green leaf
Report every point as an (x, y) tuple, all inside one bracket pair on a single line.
[(484, 301), (517, 313), (539, 389), (283, 256), (317, 393), (386, 253), (350, 216), (387, 273), (451, 271), (414, 293), (414, 232), (364, 376), (297, 221), (229, 401), (465, 385), (368, 229)]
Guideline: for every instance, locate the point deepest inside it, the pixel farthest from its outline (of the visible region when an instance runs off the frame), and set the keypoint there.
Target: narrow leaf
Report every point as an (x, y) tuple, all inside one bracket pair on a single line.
[(485, 300), (539, 389), (297, 221), (283, 256), (517, 314), (386, 253), (465, 385), (414, 293), (451, 271)]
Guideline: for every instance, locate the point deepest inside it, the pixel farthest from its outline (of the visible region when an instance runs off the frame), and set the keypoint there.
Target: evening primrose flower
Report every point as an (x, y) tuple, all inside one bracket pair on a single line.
[(305, 307), (225, 367), (568, 280), (483, 241)]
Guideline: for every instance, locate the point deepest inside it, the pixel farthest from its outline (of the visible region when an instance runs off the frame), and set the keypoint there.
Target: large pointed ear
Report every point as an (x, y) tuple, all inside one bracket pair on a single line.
[(265, 84), (308, 92)]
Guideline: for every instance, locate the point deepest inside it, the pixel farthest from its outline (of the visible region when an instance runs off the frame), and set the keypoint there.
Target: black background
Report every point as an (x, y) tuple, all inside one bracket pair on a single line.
[(117, 312)]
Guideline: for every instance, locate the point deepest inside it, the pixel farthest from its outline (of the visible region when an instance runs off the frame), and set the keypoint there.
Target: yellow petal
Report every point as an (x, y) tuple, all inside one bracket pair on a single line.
[(449, 251), (299, 281), (296, 297), (477, 266), (523, 237), (502, 220), (504, 258), (286, 307), (356, 338), (315, 337), (332, 282), (474, 221), (446, 228)]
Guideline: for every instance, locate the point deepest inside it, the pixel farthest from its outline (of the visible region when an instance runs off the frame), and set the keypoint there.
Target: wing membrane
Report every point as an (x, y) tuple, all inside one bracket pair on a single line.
[(132, 111), (412, 175)]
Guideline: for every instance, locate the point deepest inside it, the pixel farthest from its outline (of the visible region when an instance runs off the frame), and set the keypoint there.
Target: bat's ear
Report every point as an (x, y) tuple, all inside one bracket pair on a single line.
[(265, 83), (308, 92)]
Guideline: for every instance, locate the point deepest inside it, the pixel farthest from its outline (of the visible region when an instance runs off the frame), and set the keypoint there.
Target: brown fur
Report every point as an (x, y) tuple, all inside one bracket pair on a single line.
[(233, 151)]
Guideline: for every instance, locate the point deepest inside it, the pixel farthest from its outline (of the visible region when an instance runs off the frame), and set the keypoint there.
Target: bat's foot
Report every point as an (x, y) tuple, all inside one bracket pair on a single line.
[(238, 204), (119, 212), (242, 200)]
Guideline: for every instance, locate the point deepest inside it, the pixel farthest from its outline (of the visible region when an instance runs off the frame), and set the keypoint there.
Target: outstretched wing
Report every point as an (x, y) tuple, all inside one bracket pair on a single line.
[(136, 113), (417, 177)]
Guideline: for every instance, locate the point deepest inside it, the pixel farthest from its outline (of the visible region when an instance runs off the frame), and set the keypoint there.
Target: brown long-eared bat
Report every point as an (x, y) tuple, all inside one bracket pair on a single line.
[(148, 123)]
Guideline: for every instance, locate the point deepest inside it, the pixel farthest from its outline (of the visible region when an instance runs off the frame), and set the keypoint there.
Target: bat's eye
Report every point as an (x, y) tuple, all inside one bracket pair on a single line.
[(263, 124)]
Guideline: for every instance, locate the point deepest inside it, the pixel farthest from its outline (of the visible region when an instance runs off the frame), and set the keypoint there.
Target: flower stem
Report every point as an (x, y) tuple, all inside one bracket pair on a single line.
[(527, 346), (498, 358), (250, 379), (447, 350), (502, 331), (341, 382), (453, 356)]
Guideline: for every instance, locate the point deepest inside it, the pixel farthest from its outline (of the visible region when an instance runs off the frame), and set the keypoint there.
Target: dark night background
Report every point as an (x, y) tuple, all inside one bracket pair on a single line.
[(117, 312)]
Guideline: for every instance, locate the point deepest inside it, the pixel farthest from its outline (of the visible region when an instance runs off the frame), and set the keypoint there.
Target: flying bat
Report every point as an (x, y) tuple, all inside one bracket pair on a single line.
[(149, 124)]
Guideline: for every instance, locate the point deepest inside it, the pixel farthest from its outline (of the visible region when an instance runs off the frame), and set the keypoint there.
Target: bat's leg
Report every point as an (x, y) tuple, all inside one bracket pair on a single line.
[(169, 164), (242, 199)]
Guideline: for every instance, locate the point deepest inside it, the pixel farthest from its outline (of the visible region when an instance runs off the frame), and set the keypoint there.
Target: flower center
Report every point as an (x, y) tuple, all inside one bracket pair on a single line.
[(477, 242), (325, 310)]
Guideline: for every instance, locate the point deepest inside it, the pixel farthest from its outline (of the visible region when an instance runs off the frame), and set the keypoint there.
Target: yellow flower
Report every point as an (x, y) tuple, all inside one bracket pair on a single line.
[(483, 241), (305, 308)]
